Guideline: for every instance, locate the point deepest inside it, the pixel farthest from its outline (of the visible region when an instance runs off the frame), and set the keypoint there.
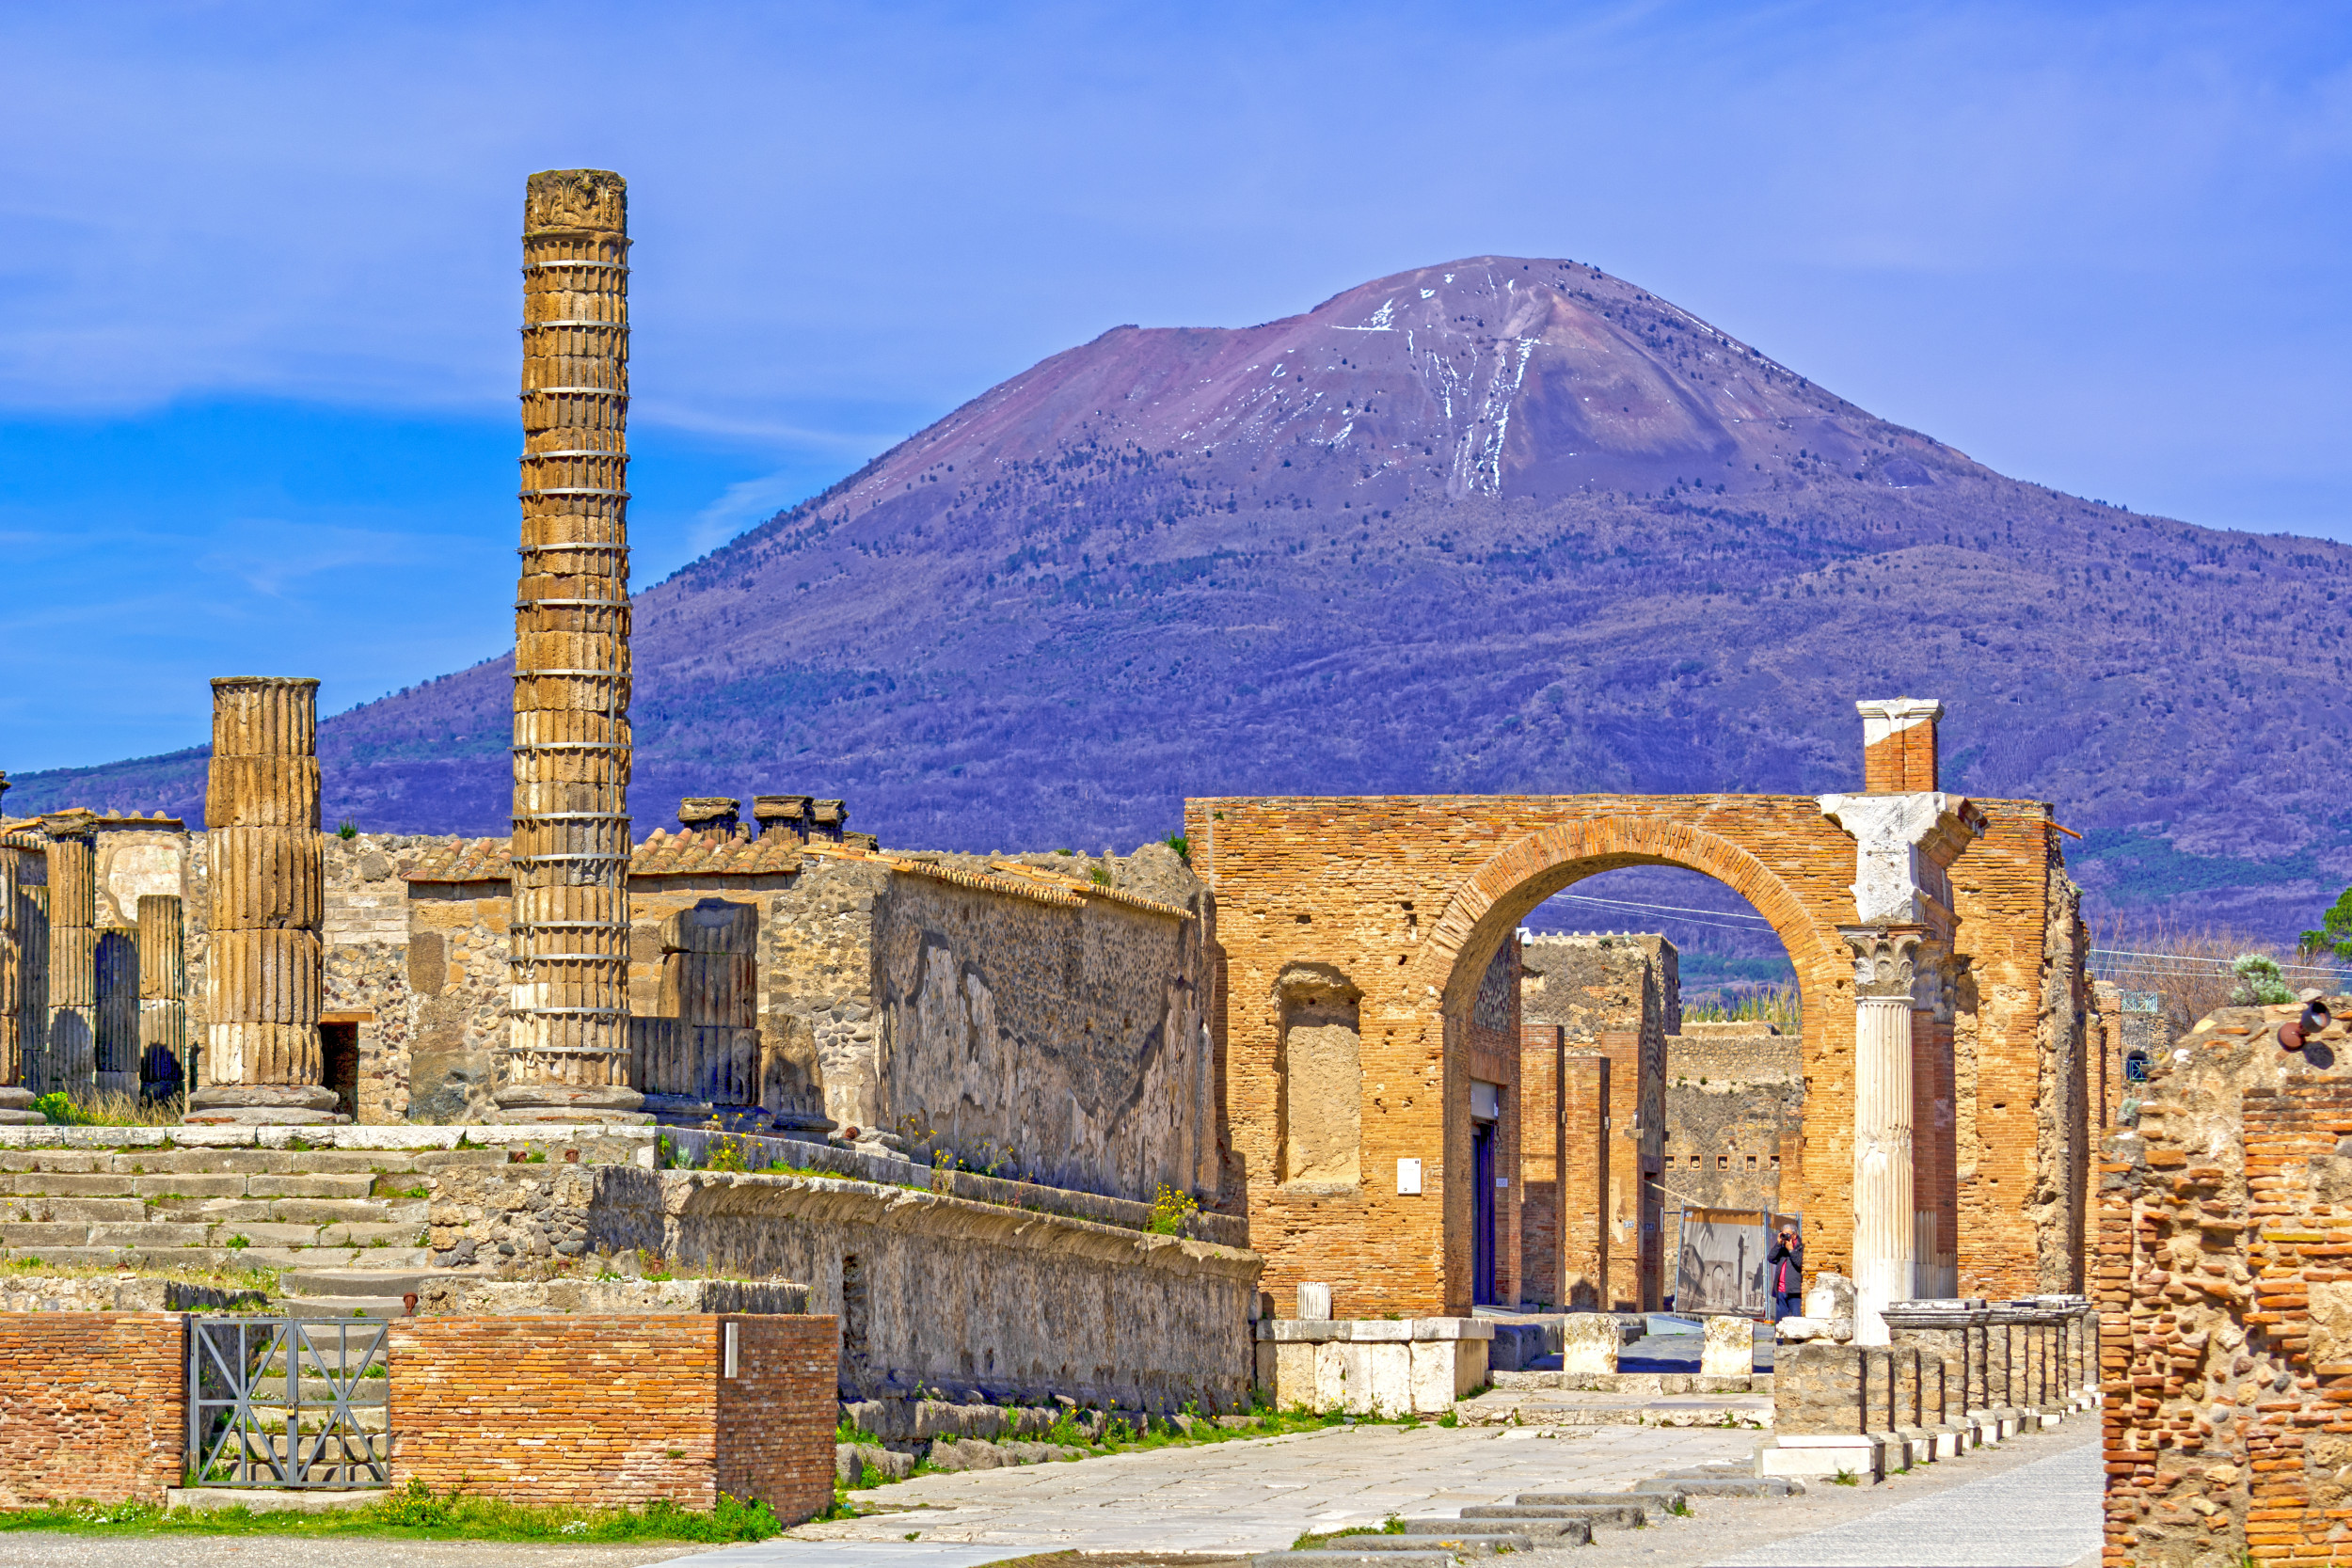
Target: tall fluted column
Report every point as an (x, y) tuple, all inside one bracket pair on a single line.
[(1883, 1221), (67, 1061), (567, 1052), (19, 852), (162, 996), (264, 972), (117, 1038)]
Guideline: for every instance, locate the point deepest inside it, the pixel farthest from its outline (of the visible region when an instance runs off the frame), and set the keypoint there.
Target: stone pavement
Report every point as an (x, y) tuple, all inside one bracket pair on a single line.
[(2045, 1515), (1259, 1495), (2028, 1503)]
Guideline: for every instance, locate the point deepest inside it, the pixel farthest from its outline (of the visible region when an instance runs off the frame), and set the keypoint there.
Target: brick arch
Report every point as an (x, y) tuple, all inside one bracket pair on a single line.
[(1506, 889)]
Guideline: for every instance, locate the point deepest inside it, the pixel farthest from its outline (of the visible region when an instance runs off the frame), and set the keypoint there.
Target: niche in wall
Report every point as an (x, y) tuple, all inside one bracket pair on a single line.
[(1319, 1100)]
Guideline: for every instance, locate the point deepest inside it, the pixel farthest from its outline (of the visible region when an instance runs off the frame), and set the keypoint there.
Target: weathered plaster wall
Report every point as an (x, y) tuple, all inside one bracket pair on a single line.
[(1735, 1105), (971, 1299)]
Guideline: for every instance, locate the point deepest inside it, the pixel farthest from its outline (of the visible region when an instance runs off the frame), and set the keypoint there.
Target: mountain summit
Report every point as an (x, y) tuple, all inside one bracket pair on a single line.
[(1502, 524)]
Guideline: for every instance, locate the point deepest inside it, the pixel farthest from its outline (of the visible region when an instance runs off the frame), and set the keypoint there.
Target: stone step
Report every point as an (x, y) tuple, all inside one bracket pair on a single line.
[(1720, 1486), (1333, 1558), (1615, 1516), (1467, 1543), (1652, 1494), (392, 1281), (225, 1257), (1551, 1530)]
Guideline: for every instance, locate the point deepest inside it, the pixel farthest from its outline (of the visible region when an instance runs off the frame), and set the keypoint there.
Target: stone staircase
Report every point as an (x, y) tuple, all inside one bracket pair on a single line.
[(344, 1227), (1532, 1519)]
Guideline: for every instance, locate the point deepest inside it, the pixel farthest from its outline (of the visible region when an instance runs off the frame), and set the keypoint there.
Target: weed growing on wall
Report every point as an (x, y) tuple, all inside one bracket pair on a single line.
[(1171, 1210)]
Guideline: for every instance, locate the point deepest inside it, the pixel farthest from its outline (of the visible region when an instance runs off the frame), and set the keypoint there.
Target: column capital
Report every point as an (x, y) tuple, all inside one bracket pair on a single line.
[(1885, 959), (74, 822)]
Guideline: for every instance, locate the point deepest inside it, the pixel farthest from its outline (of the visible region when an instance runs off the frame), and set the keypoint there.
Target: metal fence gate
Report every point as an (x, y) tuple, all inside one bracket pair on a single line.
[(289, 1401)]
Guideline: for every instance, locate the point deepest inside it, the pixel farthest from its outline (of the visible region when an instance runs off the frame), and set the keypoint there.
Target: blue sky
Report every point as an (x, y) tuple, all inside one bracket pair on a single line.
[(258, 289)]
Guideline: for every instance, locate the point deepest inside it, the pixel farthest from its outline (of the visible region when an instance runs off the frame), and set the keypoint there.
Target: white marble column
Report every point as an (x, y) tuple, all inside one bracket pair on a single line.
[(1883, 1220)]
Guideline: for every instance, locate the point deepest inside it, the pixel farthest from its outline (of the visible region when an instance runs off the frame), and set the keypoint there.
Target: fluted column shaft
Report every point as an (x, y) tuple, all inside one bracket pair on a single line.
[(163, 995), (117, 1054), (1883, 1218), (23, 858), (67, 1061), (568, 1048), (265, 974)]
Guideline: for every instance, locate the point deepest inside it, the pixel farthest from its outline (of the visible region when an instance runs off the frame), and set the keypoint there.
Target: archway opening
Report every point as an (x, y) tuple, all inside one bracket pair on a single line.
[(1672, 1009)]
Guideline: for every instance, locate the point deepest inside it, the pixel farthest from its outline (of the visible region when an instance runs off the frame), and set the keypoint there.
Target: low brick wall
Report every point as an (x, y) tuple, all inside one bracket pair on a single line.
[(604, 1411), (92, 1404)]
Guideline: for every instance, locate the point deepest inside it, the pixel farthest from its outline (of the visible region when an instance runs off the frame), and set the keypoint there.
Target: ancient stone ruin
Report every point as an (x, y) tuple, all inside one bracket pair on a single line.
[(570, 1056)]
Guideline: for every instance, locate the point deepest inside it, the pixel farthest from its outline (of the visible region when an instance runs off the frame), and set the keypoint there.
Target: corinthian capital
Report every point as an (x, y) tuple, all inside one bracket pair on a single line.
[(1886, 958)]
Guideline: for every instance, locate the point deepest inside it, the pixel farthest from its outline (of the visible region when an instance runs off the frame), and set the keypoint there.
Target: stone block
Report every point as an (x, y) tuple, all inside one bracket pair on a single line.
[(1730, 1349), (1831, 1297), (1588, 1344), (1859, 1454)]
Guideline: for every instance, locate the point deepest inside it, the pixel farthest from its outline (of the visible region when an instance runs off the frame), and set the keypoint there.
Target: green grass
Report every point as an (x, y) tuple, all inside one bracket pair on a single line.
[(1264, 1422), (1312, 1540), (416, 1513)]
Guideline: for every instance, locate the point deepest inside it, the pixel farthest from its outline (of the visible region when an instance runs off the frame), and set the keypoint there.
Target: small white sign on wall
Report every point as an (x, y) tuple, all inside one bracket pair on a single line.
[(1409, 1179)]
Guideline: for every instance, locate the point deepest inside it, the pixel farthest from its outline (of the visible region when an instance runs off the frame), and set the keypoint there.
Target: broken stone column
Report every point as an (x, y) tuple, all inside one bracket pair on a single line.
[(162, 996), (789, 811), (21, 854), (118, 1035), (568, 1041), (711, 814), (265, 974), (67, 1060)]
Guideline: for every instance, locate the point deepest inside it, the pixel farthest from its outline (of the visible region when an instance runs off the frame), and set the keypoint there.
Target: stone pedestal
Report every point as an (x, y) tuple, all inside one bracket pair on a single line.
[(1589, 1342), (1387, 1367), (1730, 1349)]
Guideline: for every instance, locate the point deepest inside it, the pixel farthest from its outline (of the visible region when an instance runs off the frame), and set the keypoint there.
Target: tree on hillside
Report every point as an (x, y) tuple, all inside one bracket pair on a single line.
[(2334, 936)]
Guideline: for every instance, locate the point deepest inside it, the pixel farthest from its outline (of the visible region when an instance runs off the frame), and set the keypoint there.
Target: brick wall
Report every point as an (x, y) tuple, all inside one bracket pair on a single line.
[(588, 1412), (1408, 897), (92, 1404), (2225, 1300), (1543, 1156), (1585, 1247)]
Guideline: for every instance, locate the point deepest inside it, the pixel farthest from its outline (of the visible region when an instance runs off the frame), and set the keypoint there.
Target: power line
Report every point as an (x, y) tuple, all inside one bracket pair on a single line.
[(1670, 909)]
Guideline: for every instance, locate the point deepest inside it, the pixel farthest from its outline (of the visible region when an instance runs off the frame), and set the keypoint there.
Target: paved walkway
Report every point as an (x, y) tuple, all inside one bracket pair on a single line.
[(1261, 1495), (2042, 1515)]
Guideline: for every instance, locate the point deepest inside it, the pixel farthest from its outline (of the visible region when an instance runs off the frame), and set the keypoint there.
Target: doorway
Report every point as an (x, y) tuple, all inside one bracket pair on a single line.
[(339, 1065), (1483, 1213)]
